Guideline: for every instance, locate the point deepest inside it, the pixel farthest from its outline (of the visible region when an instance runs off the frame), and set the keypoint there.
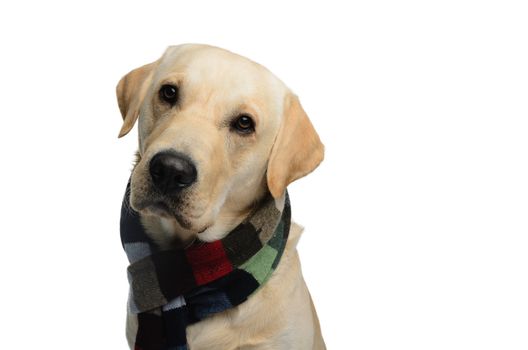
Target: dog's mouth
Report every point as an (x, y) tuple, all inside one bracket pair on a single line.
[(162, 209), (183, 211)]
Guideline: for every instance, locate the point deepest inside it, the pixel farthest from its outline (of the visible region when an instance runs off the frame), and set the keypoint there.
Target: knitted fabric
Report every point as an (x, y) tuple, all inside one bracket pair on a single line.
[(171, 289)]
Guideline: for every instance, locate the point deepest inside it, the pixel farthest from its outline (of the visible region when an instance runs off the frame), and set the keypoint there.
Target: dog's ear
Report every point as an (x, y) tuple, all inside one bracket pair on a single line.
[(297, 150), (131, 91)]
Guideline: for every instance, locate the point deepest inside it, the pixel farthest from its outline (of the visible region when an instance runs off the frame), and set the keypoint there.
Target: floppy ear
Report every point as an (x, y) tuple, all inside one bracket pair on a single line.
[(297, 150), (131, 91)]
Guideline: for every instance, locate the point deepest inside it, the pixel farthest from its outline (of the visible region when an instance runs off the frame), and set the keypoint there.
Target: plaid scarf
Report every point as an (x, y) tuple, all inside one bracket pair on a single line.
[(171, 289)]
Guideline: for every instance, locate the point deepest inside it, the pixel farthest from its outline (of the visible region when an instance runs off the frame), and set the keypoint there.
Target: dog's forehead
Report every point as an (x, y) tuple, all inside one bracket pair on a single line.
[(209, 61), (203, 66)]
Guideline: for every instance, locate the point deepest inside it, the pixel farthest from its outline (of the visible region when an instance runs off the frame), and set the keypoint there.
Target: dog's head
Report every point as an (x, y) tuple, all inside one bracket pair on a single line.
[(216, 131)]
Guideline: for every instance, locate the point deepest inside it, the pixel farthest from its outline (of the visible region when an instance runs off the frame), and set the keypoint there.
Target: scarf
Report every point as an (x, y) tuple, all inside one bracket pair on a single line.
[(172, 289)]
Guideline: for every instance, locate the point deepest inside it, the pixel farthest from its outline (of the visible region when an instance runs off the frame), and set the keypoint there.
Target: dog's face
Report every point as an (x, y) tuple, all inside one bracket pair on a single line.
[(216, 131)]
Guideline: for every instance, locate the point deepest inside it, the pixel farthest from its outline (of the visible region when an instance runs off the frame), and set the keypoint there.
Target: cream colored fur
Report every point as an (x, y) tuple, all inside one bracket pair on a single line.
[(234, 171)]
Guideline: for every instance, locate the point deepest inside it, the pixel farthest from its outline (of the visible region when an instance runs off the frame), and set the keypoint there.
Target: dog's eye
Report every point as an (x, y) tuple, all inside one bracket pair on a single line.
[(243, 124), (169, 93)]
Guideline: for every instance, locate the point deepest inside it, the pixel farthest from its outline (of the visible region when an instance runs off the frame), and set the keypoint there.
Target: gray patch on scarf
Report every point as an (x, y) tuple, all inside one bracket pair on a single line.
[(137, 251), (145, 285), (265, 220)]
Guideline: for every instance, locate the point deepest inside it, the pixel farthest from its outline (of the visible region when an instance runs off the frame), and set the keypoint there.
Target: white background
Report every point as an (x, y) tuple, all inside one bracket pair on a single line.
[(416, 223)]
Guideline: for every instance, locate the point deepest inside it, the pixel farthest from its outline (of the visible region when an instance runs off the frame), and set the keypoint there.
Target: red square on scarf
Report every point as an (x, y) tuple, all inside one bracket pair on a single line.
[(208, 261)]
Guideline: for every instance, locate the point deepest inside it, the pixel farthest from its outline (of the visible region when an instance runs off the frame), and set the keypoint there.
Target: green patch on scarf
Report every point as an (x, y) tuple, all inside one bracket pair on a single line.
[(260, 264)]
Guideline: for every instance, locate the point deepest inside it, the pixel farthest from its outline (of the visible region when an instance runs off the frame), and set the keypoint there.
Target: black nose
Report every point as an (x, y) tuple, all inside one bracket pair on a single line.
[(171, 172)]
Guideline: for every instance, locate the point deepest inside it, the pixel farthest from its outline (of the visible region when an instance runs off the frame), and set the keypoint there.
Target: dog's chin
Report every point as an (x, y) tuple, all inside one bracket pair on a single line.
[(162, 210), (158, 209)]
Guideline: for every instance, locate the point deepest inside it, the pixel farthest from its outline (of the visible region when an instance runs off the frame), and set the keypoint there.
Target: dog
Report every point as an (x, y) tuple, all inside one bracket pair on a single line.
[(229, 132)]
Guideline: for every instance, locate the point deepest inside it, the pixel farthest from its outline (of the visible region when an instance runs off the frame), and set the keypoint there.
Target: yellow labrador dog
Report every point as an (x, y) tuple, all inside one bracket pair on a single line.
[(235, 132)]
